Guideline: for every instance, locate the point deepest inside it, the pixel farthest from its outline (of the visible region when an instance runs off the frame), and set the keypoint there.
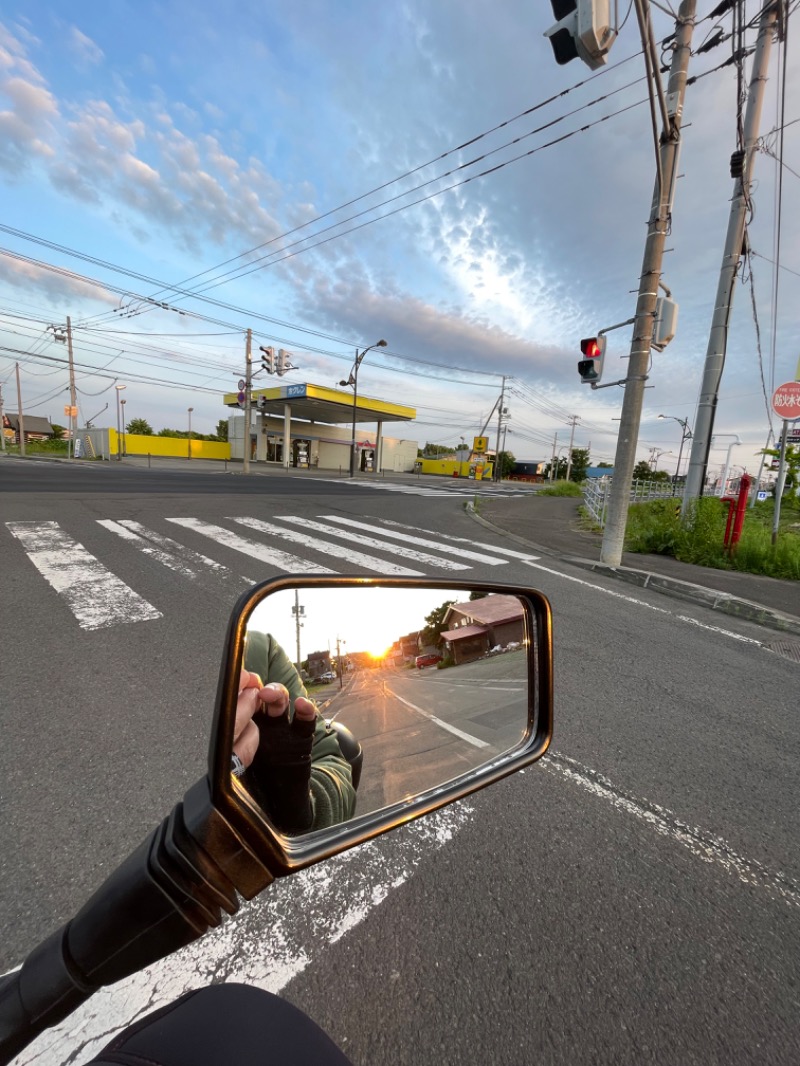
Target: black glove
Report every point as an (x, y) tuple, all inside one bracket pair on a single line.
[(279, 776)]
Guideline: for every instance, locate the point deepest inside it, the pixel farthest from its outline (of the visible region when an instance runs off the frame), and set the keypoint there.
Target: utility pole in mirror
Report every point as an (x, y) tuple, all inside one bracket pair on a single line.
[(298, 612)]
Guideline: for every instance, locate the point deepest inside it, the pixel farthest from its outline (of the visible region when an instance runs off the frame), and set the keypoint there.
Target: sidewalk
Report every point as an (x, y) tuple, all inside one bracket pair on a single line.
[(551, 525)]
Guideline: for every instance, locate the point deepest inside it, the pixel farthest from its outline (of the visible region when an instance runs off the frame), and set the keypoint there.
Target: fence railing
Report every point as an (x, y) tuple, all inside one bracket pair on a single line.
[(596, 494)]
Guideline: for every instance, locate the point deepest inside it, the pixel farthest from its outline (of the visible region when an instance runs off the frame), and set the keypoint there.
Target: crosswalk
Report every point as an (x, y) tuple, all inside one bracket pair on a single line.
[(458, 487), (326, 544)]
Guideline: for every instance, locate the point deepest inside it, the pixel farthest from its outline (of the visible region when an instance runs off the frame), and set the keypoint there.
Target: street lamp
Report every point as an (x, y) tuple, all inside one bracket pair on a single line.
[(189, 456), (353, 380), (124, 442), (686, 434), (734, 444), (119, 389)]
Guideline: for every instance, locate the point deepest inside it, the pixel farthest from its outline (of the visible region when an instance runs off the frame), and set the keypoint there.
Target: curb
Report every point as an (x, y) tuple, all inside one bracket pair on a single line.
[(669, 586)]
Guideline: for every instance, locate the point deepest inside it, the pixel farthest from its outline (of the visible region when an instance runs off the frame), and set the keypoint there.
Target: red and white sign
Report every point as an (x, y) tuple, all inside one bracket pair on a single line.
[(786, 401)]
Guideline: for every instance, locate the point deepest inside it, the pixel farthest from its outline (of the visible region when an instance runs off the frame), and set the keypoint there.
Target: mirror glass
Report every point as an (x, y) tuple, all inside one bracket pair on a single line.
[(356, 698)]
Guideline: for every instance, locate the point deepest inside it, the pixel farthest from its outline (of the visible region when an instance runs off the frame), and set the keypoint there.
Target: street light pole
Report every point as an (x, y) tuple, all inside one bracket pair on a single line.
[(124, 442), (119, 389), (189, 455), (353, 380), (686, 434)]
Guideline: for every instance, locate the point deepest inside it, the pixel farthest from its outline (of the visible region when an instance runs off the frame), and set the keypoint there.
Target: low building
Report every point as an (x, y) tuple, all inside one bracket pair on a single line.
[(473, 628), (34, 426)]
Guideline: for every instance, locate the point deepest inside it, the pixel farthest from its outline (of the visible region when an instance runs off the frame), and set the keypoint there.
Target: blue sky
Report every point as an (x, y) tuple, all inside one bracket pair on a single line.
[(169, 138)]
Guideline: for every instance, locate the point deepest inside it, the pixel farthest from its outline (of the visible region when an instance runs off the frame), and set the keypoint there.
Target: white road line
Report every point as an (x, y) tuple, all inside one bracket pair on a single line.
[(438, 721), (525, 557), (425, 542), (373, 542), (176, 557), (407, 489), (263, 552), (705, 846), (370, 562), (96, 597), (270, 941)]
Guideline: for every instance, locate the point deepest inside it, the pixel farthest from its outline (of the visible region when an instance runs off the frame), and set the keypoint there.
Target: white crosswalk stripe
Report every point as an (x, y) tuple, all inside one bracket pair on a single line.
[(408, 553), (170, 553), (476, 488), (370, 562), (462, 553), (95, 596), (99, 599), (263, 552)]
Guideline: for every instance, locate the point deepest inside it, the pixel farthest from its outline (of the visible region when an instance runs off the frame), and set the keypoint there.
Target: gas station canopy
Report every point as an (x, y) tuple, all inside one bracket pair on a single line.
[(316, 403)]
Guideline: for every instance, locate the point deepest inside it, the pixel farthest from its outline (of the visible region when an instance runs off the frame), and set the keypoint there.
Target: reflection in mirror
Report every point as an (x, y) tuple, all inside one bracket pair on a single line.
[(356, 698)]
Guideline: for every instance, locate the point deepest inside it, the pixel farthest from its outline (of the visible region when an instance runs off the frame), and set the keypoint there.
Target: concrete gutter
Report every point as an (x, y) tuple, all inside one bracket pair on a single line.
[(669, 586)]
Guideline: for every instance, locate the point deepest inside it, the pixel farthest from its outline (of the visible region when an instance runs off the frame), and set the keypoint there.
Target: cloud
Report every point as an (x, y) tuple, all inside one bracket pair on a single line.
[(84, 47), (60, 290)]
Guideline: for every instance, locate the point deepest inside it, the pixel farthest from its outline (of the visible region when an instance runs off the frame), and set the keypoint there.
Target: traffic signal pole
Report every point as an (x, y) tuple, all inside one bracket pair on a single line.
[(657, 228), (718, 337), (248, 385)]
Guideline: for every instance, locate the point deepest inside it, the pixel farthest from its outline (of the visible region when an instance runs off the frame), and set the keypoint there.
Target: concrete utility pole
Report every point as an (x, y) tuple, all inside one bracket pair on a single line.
[(2, 423), (553, 460), (718, 337), (73, 401), (499, 427), (573, 423), (20, 419), (657, 227), (248, 384)]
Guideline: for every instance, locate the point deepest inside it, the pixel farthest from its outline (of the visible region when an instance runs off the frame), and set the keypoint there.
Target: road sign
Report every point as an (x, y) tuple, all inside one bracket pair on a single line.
[(241, 384), (241, 399), (480, 444), (786, 401), (762, 496), (71, 412)]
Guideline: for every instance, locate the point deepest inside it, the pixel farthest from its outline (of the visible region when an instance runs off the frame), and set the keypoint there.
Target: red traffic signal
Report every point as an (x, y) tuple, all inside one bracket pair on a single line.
[(590, 367)]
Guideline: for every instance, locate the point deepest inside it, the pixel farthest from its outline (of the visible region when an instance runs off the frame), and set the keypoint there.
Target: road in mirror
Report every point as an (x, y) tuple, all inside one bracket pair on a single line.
[(387, 693)]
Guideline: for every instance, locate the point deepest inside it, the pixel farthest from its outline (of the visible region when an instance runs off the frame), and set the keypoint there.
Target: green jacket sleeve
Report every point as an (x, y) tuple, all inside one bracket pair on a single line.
[(333, 797)]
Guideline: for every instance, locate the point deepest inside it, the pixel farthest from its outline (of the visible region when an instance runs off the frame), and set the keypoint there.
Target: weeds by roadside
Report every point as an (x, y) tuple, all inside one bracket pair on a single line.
[(657, 528), (562, 488)]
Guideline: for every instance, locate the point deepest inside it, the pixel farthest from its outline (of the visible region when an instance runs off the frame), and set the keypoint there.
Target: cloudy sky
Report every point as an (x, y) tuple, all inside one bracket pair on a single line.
[(299, 162)]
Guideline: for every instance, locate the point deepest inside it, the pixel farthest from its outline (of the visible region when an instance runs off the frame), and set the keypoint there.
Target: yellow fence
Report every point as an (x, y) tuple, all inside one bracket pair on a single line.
[(175, 447), (475, 469)]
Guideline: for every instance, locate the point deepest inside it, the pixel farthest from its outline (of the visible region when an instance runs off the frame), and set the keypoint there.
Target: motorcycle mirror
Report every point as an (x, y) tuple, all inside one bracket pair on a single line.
[(365, 703)]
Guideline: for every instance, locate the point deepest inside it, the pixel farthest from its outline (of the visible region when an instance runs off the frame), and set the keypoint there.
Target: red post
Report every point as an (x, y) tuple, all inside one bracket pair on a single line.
[(741, 511), (730, 500)]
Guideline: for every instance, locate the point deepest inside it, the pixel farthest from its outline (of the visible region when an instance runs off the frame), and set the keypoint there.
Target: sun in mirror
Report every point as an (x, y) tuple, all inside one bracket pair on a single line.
[(356, 698)]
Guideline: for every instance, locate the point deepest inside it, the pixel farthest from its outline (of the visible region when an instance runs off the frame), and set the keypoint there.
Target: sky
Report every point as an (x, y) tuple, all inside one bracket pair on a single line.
[(210, 146), (367, 619)]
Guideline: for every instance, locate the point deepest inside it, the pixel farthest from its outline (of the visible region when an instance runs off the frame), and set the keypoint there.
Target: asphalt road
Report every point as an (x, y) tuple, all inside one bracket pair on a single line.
[(633, 898)]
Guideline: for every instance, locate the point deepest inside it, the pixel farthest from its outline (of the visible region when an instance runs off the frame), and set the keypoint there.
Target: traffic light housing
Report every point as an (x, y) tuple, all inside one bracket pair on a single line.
[(590, 367), (283, 362), (268, 359), (583, 30)]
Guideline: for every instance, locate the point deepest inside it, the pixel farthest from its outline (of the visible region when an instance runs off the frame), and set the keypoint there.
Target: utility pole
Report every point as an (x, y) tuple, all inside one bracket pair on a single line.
[(553, 460), (657, 228), (499, 427), (2, 423), (20, 419), (742, 171), (571, 439), (248, 385), (298, 612), (73, 401)]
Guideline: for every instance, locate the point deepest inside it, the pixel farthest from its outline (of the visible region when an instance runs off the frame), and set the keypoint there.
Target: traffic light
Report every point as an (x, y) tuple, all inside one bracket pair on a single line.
[(590, 368), (583, 30), (268, 359), (283, 362)]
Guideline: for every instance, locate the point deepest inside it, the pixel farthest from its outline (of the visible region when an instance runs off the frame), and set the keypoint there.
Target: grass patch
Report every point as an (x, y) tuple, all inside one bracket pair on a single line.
[(562, 488), (40, 447), (656, 528)]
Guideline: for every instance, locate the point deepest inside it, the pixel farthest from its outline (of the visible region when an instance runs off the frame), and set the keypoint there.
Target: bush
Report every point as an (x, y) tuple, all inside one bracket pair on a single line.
[(562, 488)]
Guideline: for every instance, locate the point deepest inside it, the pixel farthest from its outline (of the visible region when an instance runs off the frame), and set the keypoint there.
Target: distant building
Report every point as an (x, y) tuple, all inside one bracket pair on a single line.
[(474, 627), (36, 427)]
